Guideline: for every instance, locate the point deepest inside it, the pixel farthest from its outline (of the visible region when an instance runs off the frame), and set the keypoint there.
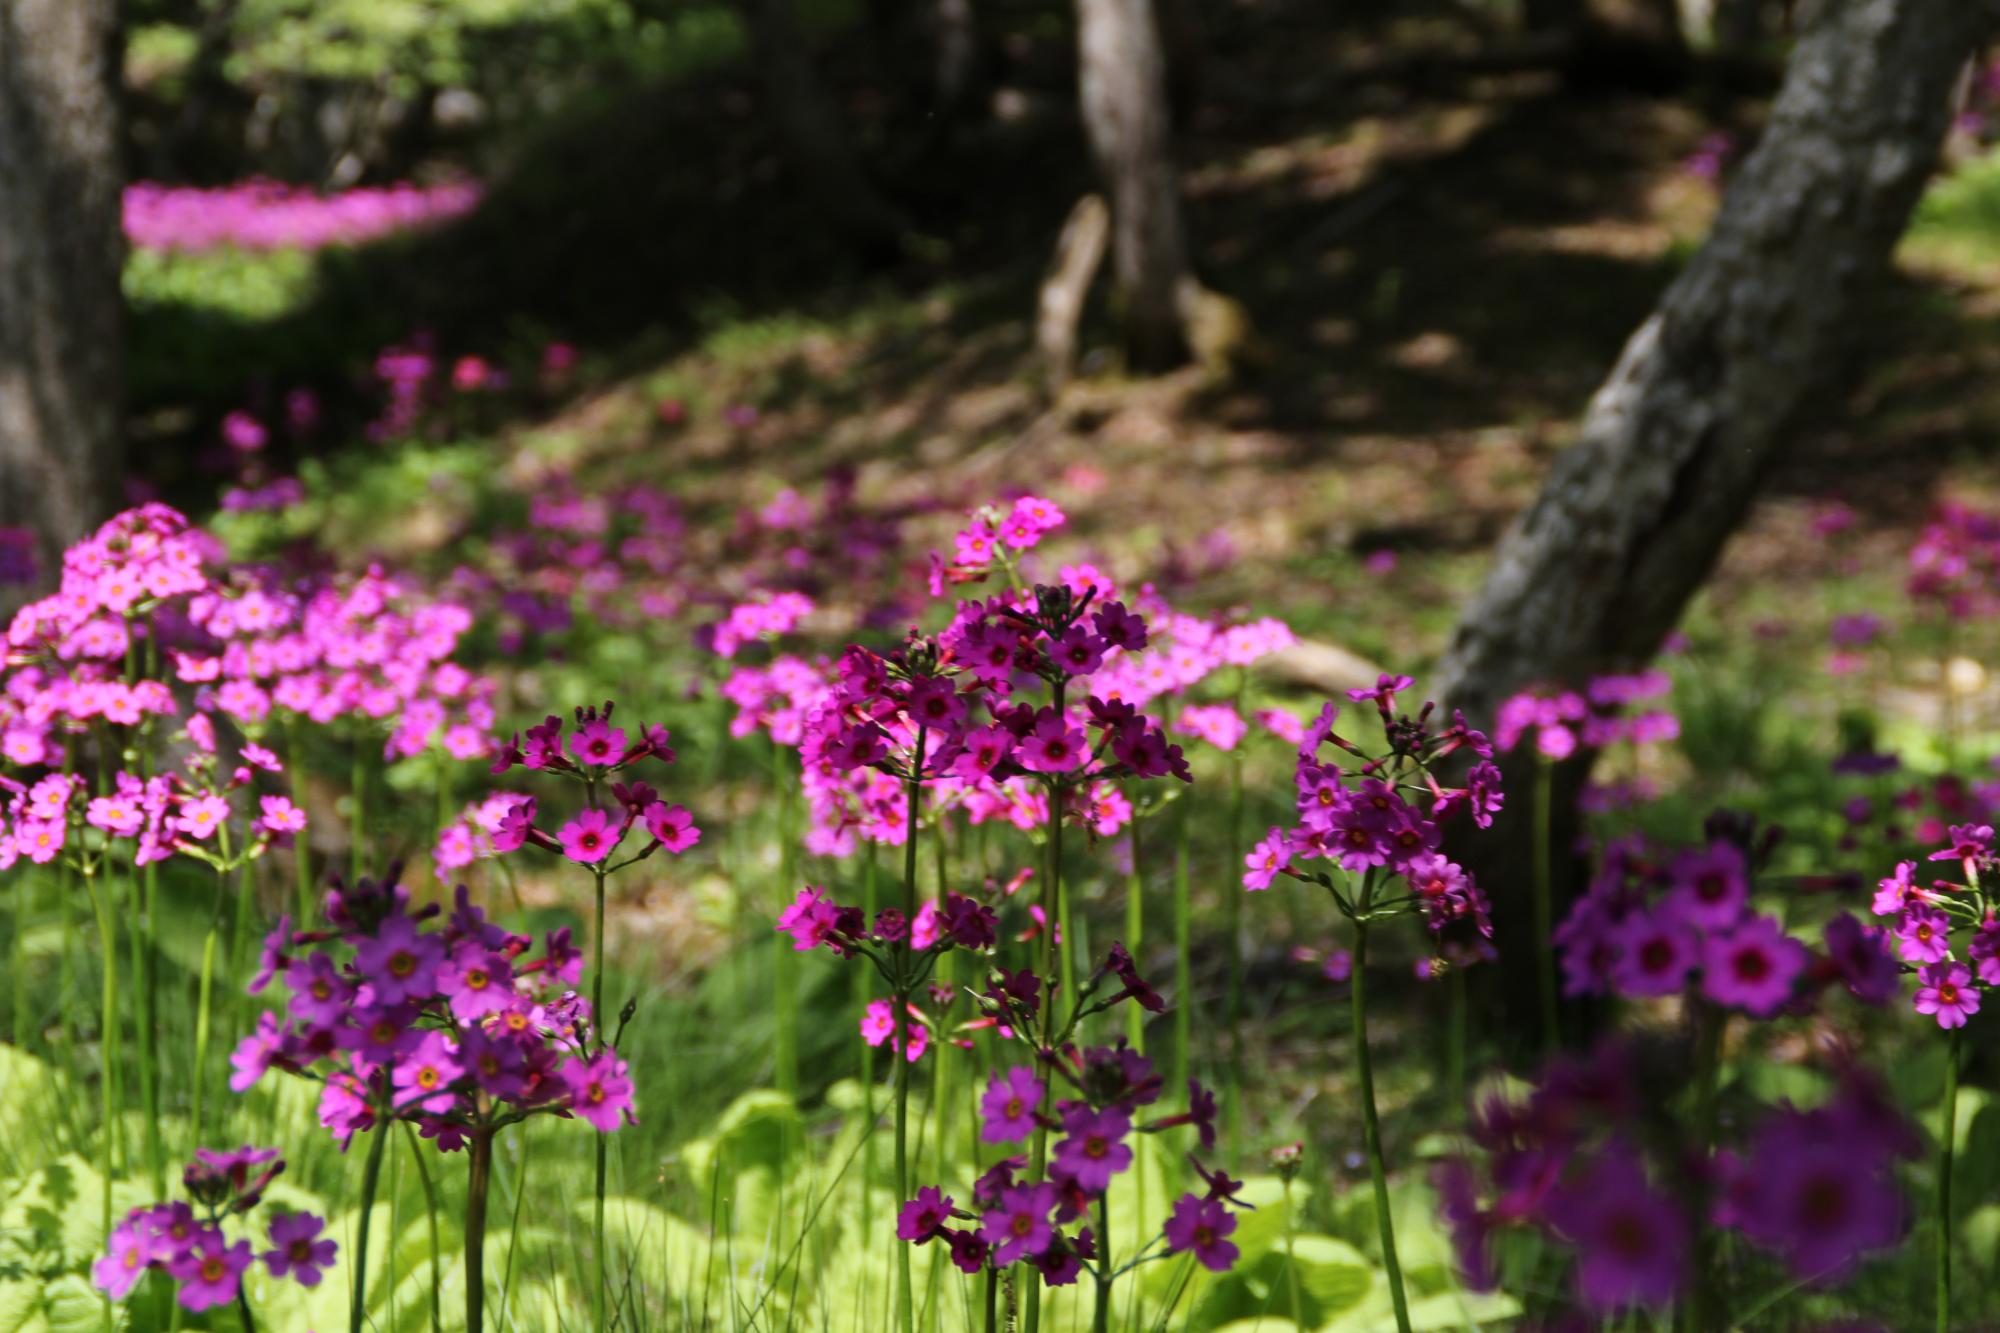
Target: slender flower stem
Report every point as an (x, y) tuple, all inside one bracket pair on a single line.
[(868, 873), (1698, 1312), (1053, 910), (107, 1038), (1371, 1123), (1947, 1134), (599, 1290), (992, 1301), (785, 975), (371, 1177), (1545, 958), (358, 811), (1135, 922), (295, 770), (1183, 949), (204, 998), (1455, 1038), (243, 1311), (1298, 1309), (479, 1171), (431, 1213), (142, 987), (899, 1017), (1100, 1318)]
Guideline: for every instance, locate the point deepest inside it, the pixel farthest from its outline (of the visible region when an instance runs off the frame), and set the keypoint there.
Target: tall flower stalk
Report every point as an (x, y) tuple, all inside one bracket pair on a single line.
[(1376, 818)]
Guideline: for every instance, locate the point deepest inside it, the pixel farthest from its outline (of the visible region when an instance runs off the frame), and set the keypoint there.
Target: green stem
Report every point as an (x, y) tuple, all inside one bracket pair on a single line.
[(599, 1290), (295, 770), (1371, 1123), (203, 1000), (1455, 1051), (1708, 1024), (17, 964), (1947, 1135), (868, 874), (992, 1301), (479, 1173), (431, 1213), (1183, 950), (107, 1039), (1298, 1310), (1135, 922), (1100, 1317), (784, 978), (142, 986), (357, 810), (1545, 958), (1233, 916), (243, 1311), (371, 1176), (898, 1019)]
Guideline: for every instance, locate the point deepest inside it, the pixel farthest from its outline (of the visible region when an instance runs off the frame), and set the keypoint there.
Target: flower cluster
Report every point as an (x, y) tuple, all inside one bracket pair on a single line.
[(1016, 1218), (186, 1241), (1654, 925), (267, 215), (456, 1029), (1950, 981), (1954, 565), (595, 750), (1816, 1188), (1607, 711), (1381, 817)]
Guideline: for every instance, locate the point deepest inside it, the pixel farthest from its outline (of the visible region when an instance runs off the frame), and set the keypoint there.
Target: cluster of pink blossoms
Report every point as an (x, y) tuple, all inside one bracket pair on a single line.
[(1928, 916), (1380, 818), (596, 750), (1591, 1158), (1954, 566), (268, 215), (455, 1029), (1653, 925), (193, 1249), (1603, 714)]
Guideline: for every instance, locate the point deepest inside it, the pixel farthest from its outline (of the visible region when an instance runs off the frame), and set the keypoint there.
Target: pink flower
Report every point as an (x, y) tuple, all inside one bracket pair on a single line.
[(281, 816), (589, 838), (1267, 860), (201, 816), (672, 825), (211, 1271), (1054, 746), (1753, 966), (1202, 1226), (600, 1090), (1947, 992)]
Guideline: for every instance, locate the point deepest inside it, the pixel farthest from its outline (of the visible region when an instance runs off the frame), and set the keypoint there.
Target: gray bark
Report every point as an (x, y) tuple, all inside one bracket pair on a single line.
[(61, 245), (1066, 286), (1122, 77), (1674, 444)]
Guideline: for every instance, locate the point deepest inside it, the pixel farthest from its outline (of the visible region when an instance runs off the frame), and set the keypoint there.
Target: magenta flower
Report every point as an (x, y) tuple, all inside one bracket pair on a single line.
[(200, 817), (1267, 860), (280, 816), (923, 1217), (1711, 884), (476, 982), (1947, 992), (1656, 952), (211, 1271), (127, 1257), (1202, 1226), (1019, 1227), (1631, 1238), (423, 1078), (672, 825), (1753, 967), (1860, 953), (1923, 934), (1054, 746), (298, 1250), (1970, 844), (589, 837), (600, 1091), (398, 962), (1007, 1110), (1094, 1150)]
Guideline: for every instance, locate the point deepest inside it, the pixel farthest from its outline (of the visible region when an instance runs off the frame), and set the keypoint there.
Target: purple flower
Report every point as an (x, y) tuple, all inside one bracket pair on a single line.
[(1019, 1227), (1753, 967), (1923, 934), (1007, 1111), (423, 1078), (297, 1248), (126, 1258), (398, 963), (589, 837), (924, 1217), (1861, 955), (211, 1271), (600, 1091), (1094, 1149), (1631, 1238), (476, 982), (1947, 992), (1710, 885), (1202, 1226), (1656, 951), (1267, 860)]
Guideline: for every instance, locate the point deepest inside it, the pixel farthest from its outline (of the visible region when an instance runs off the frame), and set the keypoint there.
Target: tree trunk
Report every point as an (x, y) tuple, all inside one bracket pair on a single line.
[(1673, 446), (1122, 73), (812, 130), (61, 245)]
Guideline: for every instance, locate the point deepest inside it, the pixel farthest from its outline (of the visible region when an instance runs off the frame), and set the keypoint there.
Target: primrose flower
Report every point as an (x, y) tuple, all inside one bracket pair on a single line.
[(1202, 1227)]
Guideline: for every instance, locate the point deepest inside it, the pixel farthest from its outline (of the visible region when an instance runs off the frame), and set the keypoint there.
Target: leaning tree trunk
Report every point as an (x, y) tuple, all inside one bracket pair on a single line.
[(1673, 446), (60, 249), (1123, 83)]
